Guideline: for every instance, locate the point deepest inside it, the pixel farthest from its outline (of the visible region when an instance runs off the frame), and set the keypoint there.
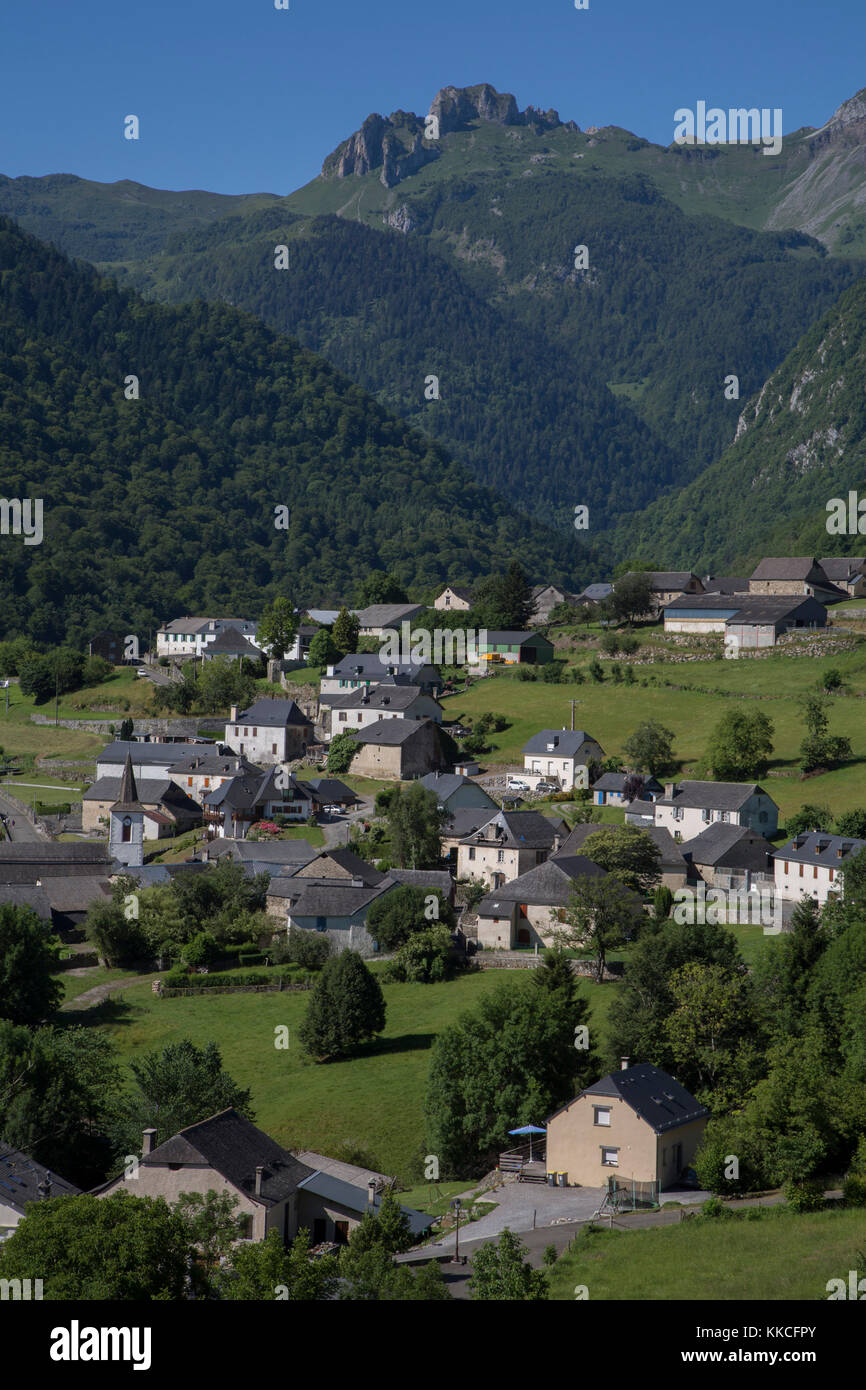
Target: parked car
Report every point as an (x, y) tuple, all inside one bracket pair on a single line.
[(516, 784), (545, 789), (142, 671)]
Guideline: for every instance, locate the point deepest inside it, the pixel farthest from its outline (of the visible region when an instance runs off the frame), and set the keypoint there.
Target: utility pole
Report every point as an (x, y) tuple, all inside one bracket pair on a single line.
[(573, 703)]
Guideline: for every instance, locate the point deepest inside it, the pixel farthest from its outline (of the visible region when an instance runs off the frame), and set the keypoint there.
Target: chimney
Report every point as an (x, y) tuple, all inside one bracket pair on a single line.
[(259, 1171), (669, 790), (233, 714), (147, 1139), (44, 1187), (557, 841), (371, 1193), (624, 1063)]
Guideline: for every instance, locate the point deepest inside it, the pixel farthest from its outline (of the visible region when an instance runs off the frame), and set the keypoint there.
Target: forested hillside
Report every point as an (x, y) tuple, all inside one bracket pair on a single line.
[(166, 503)]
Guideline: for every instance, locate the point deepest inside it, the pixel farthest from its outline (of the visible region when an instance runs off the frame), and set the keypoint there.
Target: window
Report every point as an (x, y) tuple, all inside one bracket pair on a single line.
[(273, 748), (832, 875), (786, 866), (236, 731), (602, 1114), (801, 870), (255, 733), (815, 871), (705, 815), (189, 781), (610, 1158), (343, 718), (246, 1227), (500, 856), (472, 853), (678, 813), (207, 781), (126, 830), (246, 733), (321, 923)]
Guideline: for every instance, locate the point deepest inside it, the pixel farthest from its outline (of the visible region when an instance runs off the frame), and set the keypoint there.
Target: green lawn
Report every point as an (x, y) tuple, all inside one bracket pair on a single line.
[(779, 1256), (73, 985), (374, 1102), (610, 712)]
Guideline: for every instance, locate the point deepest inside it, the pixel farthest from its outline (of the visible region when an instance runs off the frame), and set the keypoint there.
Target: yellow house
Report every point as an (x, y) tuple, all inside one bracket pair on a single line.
[(636, 1124)]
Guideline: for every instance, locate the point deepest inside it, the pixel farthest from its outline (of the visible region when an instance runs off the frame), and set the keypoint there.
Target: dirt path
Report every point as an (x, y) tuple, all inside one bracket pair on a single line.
[(100, 992)]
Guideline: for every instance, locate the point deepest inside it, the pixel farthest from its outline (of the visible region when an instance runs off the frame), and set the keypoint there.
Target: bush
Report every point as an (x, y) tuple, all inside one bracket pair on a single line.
[(807, 1195), (524, 673), (854, 1190), (201, 950), (715, 1209), (384, 799), (177, 978), (302, 948)]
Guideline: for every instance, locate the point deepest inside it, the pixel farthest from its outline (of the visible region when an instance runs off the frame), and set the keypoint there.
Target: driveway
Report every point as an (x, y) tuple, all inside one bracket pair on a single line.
[(22, 829), (524, 1206)]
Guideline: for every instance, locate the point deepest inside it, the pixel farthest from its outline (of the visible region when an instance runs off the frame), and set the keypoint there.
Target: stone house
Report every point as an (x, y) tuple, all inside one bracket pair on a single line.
[(23, 1181), (635, 1124), (672, 861), (397, 748), (847, 572), (454, 599), (525, 910), (800, 574), (508, 845), (270, 731), (357, 709), (168, 809)]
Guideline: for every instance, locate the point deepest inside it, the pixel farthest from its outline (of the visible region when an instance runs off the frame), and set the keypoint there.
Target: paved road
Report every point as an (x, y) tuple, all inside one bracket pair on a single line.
[(22, 830)]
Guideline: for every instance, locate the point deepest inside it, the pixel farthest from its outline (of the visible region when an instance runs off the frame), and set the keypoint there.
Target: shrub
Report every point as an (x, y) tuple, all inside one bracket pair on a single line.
[(201, 950), (806, 1195), (854, 1190), (715, 1208), (176, 978), (525, 674)]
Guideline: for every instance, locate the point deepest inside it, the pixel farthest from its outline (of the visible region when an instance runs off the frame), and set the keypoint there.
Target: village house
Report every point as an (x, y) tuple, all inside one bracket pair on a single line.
[(746, 620), (23, 1181), (594, 593), (666, 585), (168, 809), (363, 670), (150, 761), (454, 792), (111, 646), (812, 865), (507, 845), (231, 645), (233, 807), (275, 1189), (637, 1124), (62, 878), (270, 731), (380, 618), (261, 856), (689, 807), (672, 860), (204, 771), (561, 756), (330, 791), (730, 856), (847, 572), (726, 584), (515, 648), (525, 911), (398, 748), (186, 637), (799, 574), (609, 789), (546, 597), (454, 599), (359, 708)]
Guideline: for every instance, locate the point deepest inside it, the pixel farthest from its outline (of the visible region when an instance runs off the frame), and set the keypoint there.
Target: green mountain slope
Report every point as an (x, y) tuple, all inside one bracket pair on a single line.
[(167, 503), (801, 442)]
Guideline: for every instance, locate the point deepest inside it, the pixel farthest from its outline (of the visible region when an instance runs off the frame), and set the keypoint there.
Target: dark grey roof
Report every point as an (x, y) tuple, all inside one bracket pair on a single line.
[(615, 781), (26, 895), (20, 1179), (671, 856), (740, 608), (514, 639), (383, 614), (359, 665), (247, 791), (464, 819), (347, 860), (831, 851), (331, 789), (333, 897), (271, 714), (356, 1199), (445, 784), (210, 764), (665, 580), (439, 879), (233, 643), (776, 610), (730, 846), (382, 696), (390, 731), (653, 1095), (547, 885), (233, 1147), (596, 592), (840, 568), (521, 830), (53, 856), (75, 892), (141, 753), (459, 590), (265, 851), (789, 567), (715, 796), (149, 792), (566, 742)]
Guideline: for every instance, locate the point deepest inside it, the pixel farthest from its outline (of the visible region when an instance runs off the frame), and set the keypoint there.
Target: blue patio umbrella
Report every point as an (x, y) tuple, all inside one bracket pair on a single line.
[(530, 1130)]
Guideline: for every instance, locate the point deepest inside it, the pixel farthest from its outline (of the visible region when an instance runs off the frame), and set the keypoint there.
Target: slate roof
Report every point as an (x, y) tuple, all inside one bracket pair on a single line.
[(596, 592), (445, 784), (390, 731), (665, 580), (141, 753), (26, 895), (54, 857), (383, 614), (233, 643), (265, 851), (839, 568), (370, 664), (246, 791), (331, 789), (334, 1189), (671, 855), (758, 608), (382, 696), (789, 567), (75, 893), (729, 846), (653, 1095), (567, 741), (714, 796), (464, 819), (818, 848), (332, 897), (615, 781), (149, 792), (325, 616), (215, 765), (271, 714), (436, 879), (459, 590), (20, 1179), (522, 830), (547, 885), (347, 860), (234, 1148)]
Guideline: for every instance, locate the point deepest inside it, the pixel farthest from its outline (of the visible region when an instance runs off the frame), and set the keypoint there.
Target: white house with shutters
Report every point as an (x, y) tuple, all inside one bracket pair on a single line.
[(812, 865), (687, 808), (561, 756)]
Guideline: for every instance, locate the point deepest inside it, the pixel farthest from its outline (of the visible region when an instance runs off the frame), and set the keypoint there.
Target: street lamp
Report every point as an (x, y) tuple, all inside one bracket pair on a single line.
[(455, 1207)]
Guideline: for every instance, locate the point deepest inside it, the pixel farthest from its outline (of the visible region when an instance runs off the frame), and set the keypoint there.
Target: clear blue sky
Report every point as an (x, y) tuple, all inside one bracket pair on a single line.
[(236, 96)]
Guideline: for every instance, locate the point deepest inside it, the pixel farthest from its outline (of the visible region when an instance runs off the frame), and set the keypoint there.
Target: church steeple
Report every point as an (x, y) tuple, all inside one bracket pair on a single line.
[(128, 798), (126, 821)]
